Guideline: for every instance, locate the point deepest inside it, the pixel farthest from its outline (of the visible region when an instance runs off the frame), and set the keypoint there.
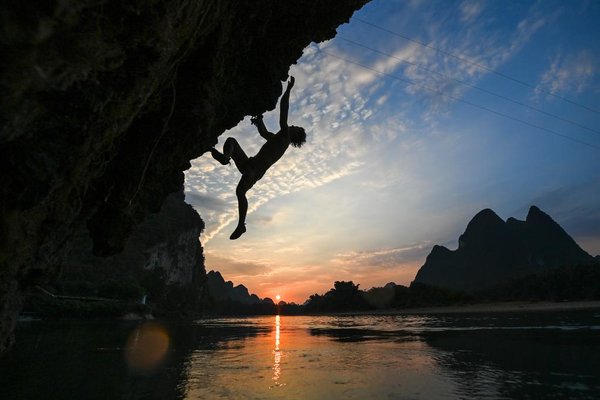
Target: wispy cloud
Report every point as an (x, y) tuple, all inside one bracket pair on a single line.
[(332, 111), (569, 73), (207, 201), (470, 9), (374, 260), (481, 41), (236, 268), (576, 207)]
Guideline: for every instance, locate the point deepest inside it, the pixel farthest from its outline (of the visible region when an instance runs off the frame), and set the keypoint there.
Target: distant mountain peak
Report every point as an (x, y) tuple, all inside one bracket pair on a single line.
[(535, 215), (222, 290), (215, 273), (485, 224), (486, 214), (491, 251), (535, 210), (483, 220), (439, 249)]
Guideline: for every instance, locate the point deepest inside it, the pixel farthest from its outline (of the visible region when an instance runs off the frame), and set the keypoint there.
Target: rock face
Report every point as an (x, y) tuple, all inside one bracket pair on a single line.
[(169, 241), (105, 102), (180, 259), (491, 251), (222, 290), (163, 255)]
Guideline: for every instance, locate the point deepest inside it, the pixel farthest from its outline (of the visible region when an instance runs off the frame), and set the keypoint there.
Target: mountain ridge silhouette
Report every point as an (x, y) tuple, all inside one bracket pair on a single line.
[(492, 251)]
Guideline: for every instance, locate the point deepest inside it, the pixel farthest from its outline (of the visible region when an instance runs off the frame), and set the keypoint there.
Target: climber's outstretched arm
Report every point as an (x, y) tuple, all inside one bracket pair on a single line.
[(284, 104)]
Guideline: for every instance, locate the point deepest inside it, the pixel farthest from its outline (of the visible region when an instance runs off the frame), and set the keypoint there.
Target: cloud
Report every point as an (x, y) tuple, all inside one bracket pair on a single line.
[(382, 258), (569, 74), (261, 219), (576, 207), (205, 201), (333, 112), (235, 268), (469, 10), (485, 41)]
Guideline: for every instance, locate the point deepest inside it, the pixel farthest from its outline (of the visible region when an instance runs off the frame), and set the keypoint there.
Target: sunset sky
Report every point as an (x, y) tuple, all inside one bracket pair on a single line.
[(391, 168)]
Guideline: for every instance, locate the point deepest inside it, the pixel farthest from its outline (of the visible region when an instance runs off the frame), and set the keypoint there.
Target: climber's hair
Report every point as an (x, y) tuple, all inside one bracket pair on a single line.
[(297, 136)]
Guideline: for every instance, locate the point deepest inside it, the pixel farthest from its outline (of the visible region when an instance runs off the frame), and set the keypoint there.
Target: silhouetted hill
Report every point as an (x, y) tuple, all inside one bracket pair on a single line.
[(568, 283), (221, 290), (226, 299), (492, 251)]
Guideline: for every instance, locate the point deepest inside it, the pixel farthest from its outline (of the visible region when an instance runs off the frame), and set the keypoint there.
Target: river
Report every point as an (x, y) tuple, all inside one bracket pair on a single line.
[(535, 355)]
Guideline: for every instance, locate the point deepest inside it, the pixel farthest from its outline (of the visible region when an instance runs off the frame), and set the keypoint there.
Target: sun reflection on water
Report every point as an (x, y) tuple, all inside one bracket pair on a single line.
[(277, 354)]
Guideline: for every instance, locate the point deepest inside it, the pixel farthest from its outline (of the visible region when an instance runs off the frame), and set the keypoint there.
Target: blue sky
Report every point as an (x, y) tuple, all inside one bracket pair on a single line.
[(390, 169)]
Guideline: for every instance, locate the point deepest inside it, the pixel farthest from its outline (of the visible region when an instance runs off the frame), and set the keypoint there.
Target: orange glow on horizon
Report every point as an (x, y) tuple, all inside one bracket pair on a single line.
[(299, 285)]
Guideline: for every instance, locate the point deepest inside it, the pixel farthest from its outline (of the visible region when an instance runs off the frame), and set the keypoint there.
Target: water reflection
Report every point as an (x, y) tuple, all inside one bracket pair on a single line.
[(277, 353), (350, 357), (513, 363)]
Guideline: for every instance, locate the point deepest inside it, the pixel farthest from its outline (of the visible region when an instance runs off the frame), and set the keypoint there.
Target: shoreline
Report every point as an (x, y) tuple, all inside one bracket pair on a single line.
[(497, 307)]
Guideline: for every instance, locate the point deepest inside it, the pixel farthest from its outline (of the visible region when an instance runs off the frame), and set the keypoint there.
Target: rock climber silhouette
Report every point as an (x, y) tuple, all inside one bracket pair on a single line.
[(253, 168)]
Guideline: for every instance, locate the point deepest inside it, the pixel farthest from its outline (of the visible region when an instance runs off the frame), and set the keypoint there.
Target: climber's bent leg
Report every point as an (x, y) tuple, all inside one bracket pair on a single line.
[(245, 184), (232, 149)]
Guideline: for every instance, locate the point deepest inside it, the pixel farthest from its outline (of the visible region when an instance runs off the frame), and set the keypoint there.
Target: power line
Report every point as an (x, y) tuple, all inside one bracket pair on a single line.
[(471, 85), (410, 82), (475, 64)]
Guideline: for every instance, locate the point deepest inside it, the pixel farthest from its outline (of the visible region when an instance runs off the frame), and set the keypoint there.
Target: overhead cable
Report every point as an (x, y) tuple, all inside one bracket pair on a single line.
[(470, 85), (475, 64), (484, 108)]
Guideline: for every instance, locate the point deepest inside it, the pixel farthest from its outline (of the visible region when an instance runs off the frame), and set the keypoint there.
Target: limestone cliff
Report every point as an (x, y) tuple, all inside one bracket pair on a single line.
[(162, 259), (104, 103), (177, 258)]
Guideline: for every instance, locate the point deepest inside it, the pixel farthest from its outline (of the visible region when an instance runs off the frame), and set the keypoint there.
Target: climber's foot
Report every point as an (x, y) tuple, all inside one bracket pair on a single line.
[(239, 231), (220, 157)]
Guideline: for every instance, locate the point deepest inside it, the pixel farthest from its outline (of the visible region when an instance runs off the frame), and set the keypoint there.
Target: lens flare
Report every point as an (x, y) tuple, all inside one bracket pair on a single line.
[(146, 347)]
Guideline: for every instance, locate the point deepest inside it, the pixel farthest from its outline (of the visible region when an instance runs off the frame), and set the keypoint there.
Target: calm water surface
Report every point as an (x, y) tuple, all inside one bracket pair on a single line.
[(554, 355)]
